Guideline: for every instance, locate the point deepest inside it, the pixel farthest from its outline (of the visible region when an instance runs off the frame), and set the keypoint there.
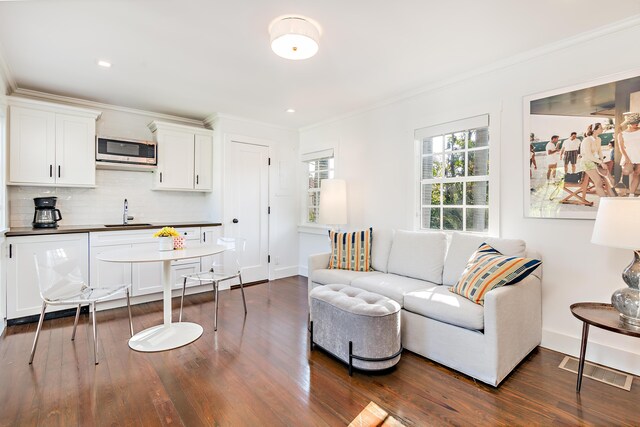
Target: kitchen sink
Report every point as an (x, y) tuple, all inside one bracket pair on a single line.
[(138, 224)]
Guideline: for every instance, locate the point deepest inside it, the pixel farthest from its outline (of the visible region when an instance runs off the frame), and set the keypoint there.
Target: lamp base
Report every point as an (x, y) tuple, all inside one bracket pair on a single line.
[(627, 300)]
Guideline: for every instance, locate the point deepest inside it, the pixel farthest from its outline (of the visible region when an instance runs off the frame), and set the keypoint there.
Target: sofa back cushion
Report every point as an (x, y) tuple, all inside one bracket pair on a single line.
[(380, 247), (463, 246), (418, 254)]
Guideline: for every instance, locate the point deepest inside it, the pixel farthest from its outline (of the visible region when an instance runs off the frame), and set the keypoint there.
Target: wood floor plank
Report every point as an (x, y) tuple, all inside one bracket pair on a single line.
[(258, 370)]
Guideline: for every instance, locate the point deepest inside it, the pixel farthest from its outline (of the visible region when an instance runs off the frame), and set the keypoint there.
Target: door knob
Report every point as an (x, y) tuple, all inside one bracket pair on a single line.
[(235, 220)]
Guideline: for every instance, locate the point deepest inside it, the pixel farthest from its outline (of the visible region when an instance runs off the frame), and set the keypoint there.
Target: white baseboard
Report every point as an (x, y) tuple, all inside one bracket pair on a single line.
[(612, 357), (303, 270), (282, 272)]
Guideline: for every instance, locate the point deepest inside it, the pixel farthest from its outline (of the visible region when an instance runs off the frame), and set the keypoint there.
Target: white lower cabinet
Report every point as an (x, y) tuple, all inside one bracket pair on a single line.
[(23, 295)]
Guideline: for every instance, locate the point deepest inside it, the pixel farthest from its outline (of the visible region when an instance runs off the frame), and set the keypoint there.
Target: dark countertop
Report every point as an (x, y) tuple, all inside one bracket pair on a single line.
[(69, 229)]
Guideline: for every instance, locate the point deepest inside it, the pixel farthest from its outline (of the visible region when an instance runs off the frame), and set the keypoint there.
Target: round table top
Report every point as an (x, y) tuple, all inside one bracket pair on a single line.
[(155, 255), (603, 316)]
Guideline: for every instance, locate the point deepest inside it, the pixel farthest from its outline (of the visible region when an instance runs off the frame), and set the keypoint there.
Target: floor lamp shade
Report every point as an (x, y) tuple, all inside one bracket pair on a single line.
[(618, 225), (333, 201)]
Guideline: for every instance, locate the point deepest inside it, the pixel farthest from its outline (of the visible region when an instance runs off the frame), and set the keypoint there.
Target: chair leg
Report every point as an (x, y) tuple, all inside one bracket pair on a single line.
[(244, 302), (35, 341), (75, 322), (95, 333), (215, 313), (184, 286), (129, 309)]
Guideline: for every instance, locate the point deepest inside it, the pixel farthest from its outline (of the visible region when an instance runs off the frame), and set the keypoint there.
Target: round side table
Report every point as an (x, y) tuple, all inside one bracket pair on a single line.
[(602, 316)]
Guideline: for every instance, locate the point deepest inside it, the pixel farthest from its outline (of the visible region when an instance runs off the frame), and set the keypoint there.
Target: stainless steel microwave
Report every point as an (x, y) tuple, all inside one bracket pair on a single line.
[(126, 152)]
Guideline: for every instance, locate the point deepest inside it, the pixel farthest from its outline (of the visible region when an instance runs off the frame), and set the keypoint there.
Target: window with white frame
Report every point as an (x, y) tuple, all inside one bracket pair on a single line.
[(319, 166), (454, 175)]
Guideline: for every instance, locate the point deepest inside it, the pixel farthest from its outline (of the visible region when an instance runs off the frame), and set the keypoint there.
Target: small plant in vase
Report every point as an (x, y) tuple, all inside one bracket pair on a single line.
[(166, 237)]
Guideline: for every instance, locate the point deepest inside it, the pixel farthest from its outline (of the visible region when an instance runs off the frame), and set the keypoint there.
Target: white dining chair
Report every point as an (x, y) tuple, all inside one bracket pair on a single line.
[(226, 266), (61, 283)]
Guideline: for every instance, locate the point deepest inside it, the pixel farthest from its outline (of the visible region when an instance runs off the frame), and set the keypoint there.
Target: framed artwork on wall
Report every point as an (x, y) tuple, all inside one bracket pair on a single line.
[(581, 143)]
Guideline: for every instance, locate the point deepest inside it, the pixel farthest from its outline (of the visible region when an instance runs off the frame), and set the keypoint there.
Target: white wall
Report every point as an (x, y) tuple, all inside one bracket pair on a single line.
[(104, 204), (283, 194), (377, 159)]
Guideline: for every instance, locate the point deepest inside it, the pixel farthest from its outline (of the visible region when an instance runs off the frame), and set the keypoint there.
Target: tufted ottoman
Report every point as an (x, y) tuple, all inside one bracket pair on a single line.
[(358, 327)]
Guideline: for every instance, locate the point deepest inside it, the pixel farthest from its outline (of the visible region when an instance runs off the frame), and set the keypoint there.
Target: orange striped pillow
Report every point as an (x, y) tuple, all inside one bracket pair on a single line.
[(351, 251), (488, 269)]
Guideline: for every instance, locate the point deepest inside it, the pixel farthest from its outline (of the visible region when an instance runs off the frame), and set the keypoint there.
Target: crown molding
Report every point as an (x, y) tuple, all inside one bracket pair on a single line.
[(5, 73), (100, 105), (586, 36), (216, 116)]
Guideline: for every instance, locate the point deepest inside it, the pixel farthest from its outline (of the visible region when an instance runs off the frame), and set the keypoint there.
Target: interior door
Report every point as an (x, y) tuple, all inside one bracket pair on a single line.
[(247, 203)]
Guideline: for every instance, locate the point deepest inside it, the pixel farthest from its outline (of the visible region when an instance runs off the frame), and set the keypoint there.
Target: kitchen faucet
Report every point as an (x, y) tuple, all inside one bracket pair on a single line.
[(125, 215)]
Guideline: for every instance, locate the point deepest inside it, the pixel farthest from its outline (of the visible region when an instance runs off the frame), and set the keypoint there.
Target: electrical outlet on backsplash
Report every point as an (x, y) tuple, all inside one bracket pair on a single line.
[(104, 204)]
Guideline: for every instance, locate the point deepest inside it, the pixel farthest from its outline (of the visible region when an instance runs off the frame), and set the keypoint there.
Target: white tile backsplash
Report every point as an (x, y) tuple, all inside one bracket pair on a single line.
[(104, 204)]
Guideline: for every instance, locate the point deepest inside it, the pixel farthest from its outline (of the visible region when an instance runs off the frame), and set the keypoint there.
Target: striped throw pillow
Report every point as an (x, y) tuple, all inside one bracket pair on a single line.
[(351, 251), (488, 269)]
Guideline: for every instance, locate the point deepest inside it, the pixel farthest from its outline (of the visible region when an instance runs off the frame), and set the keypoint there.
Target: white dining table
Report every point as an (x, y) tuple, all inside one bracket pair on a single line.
[(169, 335)]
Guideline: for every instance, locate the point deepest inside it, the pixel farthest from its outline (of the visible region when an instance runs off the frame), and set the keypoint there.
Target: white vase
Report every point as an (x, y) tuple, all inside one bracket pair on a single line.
[(165, 243)]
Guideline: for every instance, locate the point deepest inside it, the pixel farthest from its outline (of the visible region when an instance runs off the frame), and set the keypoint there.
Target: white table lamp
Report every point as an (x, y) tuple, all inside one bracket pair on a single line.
[(618, 225), (333, 202)]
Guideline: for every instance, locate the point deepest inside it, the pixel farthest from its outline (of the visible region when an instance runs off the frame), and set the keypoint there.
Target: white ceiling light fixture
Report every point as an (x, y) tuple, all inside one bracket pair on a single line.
[(294, 37), (290, 110), (103, 63)]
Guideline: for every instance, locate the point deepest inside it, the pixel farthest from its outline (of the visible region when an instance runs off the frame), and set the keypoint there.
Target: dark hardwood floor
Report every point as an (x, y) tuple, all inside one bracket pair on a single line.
[(259, 371)]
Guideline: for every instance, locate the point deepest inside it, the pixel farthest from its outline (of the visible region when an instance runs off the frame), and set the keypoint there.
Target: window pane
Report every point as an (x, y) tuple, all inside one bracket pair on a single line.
[(479, 138), (314, 181), (432, 145), (313, 215), (313, 166), (477, 219), (455, 141), (453, 193), (314, 199), (323, 164), (430, 194), (432, 166), (479, 162), (431, 218), (454, 165), (452, 218), (478, 193)]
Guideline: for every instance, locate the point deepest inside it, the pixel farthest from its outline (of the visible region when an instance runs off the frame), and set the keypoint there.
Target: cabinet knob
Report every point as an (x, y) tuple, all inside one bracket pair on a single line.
[(235, 220)]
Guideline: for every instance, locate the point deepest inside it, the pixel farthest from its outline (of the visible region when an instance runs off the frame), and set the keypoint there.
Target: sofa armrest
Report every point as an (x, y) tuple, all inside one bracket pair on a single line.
[(317, 262), (513, 321)]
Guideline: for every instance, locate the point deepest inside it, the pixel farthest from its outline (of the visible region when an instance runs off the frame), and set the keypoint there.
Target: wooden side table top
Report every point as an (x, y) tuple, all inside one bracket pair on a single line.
[(603, 316)]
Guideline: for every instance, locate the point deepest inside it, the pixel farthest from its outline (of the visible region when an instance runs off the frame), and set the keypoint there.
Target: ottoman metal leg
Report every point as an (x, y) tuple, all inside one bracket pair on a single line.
[(311, 335), (369, 359)]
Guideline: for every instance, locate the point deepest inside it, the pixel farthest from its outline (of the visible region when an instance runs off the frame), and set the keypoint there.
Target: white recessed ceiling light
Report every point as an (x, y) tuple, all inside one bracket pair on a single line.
[(290, 110), (105, 64), (294, 37)]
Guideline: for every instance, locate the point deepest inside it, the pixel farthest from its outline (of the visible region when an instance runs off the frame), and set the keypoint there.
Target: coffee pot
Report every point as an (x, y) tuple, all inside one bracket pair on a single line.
[(46, 214)]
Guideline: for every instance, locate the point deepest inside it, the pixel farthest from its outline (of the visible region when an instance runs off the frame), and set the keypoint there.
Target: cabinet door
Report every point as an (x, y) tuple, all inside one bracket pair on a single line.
[(75, 150), (175, 160), (203, 162), (109, 273), (23, 295), (146, 276), (31, 146)]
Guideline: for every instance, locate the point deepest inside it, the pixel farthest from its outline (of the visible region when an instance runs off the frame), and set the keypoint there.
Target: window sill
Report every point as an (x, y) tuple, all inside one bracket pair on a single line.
[(313, 229)]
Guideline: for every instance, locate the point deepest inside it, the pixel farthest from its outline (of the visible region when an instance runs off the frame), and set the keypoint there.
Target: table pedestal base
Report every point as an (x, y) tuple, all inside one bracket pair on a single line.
[(165, 337)]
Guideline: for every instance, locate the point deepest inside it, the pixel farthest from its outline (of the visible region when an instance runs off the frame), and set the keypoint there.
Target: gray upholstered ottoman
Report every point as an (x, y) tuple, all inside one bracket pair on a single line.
[(358, 327)]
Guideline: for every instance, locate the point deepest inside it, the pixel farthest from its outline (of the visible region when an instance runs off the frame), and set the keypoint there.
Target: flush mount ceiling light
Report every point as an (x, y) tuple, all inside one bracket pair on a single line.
[(290, 110), (294, 37), (105, 64)]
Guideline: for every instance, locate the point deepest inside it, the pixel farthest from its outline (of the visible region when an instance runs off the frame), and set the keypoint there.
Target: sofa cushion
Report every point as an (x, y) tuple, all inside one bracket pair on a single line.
[(489, 269), (380, 247), (463, 246), (436, 302), (327, 276), (351, 250), (390, 285), (418, 254)]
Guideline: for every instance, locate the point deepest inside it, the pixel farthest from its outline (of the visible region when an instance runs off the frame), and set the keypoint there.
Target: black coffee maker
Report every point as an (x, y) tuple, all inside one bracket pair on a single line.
[(46, 214)]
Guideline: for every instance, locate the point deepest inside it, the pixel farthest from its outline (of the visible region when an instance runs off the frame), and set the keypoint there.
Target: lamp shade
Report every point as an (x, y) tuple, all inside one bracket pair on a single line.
[(294, 37), (618, 223), (333, 201)]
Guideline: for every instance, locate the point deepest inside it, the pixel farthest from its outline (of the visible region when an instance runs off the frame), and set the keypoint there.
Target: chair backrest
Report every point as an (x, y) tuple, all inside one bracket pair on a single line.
[(230, 261), (59, 275)]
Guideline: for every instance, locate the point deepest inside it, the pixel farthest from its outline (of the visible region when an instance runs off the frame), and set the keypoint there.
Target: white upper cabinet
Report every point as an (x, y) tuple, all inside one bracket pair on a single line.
[(185, 157), (51, 144)]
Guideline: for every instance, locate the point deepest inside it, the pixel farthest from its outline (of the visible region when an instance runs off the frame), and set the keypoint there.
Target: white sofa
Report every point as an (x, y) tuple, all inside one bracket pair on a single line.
[(416, 269)]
